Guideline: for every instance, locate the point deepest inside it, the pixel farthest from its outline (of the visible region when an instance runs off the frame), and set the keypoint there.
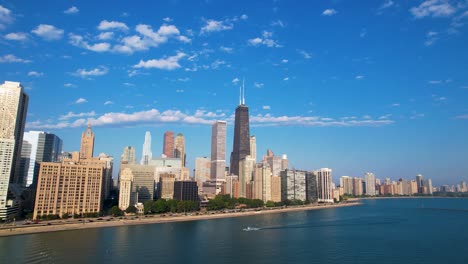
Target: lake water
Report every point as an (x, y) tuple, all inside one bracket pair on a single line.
[(379, 231)]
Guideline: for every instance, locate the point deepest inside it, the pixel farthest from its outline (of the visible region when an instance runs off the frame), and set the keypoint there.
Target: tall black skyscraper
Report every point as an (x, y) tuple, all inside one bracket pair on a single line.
[(241, 146)]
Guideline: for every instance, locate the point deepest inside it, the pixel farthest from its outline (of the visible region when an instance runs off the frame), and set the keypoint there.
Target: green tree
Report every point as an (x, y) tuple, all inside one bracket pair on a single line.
[(160, 206), (148, 207), (270, 204), (131, 210), (115, 211)]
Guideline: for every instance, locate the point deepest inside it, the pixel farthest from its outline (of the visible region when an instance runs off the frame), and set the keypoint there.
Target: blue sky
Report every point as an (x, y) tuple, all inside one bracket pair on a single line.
[(381, 86)]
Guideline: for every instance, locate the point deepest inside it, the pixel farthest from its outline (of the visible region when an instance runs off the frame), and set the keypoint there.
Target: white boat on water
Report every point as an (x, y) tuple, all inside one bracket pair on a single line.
[(251, 228)]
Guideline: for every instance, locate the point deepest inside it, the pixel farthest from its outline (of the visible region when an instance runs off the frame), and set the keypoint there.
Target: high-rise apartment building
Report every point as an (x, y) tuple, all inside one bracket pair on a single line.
[(253, 148), (262, 182), (419, 182), (276, 163), (311, 187), (293, 185), (370, 183), (218, 150), (168, 144), (357, 186), (38, 146), (325, 185), (14, 105), (125, 188), (347, 183), (246, 167), (87, 144), (128, 155), (179, 148), (202, 170), (147, 154), (65, 188), (276, 188), (166, 186), (142, 181), (241, 144)]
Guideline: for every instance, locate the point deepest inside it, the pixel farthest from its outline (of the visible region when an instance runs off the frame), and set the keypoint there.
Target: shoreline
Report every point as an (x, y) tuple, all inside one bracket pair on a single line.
[(156, 219)]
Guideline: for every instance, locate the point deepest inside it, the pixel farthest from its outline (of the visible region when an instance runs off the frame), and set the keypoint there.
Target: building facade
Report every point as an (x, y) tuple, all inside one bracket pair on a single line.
[(128, 155), (293, 185), (370, 183), (311, 187), (147, 154), (14, 106), (179, 148), (186, 191), (87, 143), (168, 144), (218, 150), (241, 144), (325, 185)]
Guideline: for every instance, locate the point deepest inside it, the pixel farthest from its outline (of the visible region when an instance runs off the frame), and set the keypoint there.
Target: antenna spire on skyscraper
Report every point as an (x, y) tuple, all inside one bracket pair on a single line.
[(243, 92)]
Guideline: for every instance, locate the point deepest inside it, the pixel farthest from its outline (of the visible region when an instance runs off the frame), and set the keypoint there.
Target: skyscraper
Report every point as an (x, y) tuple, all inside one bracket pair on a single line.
[(253, 148), (168, 144), (325, 185), (202, 170), (218, 150), (241, 145), (147, 155), (14, 105), (128, 155), (179, 148), (311, 187), (419, 182), (370, 183), (38, 146), (293, 185), (87, 144)]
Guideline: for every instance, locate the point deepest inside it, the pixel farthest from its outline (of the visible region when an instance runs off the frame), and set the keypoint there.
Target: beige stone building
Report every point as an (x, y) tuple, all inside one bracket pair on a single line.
[(166, 186), (68, 189), (276, 189), (125, 190)]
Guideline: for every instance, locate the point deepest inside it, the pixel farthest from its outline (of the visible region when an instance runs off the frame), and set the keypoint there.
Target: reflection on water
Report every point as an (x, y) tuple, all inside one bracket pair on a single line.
[(383, 231)]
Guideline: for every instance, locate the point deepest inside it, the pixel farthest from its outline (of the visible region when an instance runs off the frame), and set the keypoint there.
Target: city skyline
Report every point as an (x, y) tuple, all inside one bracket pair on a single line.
[(390, 101)]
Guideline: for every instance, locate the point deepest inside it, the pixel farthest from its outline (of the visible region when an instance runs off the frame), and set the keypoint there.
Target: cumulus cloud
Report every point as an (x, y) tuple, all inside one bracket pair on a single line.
[(48, 32), (265, 39), (112, 25), (18, 36), (258, 85), (10, 58), (71, 115), (286, 79), (278, 23), (235, 81), (226, 49), (167, 19), (81, 101), (6, 17), (35, 74), (329, 12), (68, 85), (199, 117), (433, 8), (266, 107), (305, 54), (78, 41), (387, 4), (105, 35), (108, 102), (359, 77), (149, 38), (83, 73), (71, 10), (431, 38), (212, 25), (169, 63)]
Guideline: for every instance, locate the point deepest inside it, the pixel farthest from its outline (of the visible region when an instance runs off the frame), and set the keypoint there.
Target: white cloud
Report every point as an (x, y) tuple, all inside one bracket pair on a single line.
[(266, 107), (167, 19), (435, 82), (203, 117), (179, 91), (258, 85), (81, 101), (186, 79), (431, 38), (71, 115), (78, 41), (68, 85), (264, 40), (184, 39), (284, 61), (225, 49), (5, 17), (18, 36), (286, 79), (128, 84), (416, 115), (329, 12), (83, 73), (169, 63), (217, 63), (216, 26), (278, 23), (235, 81), (48, 32), (305, 54), (108, 102), (387, 4), (244, 17), (10, 58), (72, 10), (106, 35), (111, 25), (35, 74), (359, 77), (433, 8), (395, 105)]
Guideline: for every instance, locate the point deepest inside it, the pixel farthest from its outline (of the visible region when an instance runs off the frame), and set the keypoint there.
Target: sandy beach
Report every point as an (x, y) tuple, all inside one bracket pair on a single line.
[(154, 219)]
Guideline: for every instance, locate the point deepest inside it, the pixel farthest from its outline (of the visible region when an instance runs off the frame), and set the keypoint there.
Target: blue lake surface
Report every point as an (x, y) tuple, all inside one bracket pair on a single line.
[(427, 230)]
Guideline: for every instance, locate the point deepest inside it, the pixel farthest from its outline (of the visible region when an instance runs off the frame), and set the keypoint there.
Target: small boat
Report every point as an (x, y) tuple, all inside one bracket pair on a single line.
[(251, 228)]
